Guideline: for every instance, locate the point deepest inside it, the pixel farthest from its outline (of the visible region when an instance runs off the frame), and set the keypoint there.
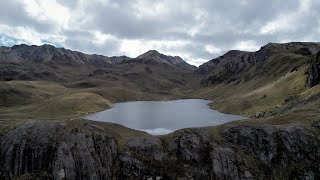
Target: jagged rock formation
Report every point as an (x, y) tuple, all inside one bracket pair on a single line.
[(45, 147), (313, 72), (89, 151)]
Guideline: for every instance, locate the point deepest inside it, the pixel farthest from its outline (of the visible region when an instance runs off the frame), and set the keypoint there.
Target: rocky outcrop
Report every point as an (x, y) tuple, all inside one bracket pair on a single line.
[(60, 150), (188, 154), (313, 72), (303, 51), (293, 149), (42, 146)]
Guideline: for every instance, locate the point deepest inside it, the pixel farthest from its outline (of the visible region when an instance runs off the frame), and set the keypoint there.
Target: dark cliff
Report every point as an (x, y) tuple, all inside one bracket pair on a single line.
[(313, 72), (61, 150)]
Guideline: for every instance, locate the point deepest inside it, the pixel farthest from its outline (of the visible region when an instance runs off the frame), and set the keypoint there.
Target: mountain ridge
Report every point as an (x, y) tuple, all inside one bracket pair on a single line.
[(49, 53), (235, 61)]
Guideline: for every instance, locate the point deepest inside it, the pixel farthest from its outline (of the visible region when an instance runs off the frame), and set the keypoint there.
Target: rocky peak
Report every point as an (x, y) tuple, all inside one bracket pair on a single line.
[(150, 53), (231, 58), (155, 56)]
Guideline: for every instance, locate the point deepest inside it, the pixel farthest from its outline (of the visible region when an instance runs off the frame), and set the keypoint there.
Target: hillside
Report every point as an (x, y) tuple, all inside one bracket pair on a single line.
[(36, 75), (276, 79)]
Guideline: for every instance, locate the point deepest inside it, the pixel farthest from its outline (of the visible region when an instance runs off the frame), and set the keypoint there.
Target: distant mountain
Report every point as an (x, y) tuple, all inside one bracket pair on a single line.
[(51, 54), (155, 56), (48, 63)]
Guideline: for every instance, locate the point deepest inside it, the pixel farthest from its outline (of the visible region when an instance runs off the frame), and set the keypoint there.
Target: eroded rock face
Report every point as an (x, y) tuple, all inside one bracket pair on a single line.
[(188, 154), (279, 147), (40, 146), (313, 72), (61, 152)]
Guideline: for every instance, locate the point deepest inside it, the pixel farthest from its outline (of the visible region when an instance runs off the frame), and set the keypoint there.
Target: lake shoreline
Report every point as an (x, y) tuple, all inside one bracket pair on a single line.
[(163, 117)]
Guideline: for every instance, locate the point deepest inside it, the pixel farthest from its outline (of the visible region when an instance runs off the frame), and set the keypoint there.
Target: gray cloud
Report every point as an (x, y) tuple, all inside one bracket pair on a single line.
[(13, 14), (196, 30)]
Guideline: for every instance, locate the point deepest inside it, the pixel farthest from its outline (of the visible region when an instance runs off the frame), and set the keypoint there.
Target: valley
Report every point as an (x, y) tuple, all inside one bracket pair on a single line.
[(45, 92)]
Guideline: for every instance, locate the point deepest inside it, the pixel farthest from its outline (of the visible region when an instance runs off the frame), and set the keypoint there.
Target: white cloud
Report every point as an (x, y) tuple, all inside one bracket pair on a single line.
[(100, 38), (47, 10), (246, 46), (28, 35), (6, 41), (194, 61), (212, 49), (24, 34)]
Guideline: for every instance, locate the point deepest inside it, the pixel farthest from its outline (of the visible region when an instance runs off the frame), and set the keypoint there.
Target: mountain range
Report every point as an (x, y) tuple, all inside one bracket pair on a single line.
[(44, 92)]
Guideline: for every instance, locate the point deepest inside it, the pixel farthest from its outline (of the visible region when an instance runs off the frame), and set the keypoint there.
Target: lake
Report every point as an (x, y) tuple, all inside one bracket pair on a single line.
[(163, 117)]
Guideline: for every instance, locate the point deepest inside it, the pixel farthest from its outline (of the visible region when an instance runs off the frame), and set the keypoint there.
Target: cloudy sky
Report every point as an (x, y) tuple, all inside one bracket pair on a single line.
[(197, 30)]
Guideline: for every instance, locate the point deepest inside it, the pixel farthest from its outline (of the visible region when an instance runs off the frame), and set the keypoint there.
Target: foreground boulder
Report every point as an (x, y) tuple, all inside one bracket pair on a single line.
[(69, 150)]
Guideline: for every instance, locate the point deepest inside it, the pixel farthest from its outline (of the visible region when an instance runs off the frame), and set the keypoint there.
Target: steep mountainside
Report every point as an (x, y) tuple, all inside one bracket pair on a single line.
[(234, 63), (276, 79)]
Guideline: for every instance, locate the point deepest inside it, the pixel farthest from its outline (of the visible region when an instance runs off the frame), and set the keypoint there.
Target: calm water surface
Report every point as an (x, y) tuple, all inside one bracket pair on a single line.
[(163, 117)]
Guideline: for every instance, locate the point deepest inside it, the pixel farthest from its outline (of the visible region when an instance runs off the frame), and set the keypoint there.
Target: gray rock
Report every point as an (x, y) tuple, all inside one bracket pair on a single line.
[(149, 147), (224, 164), (259, 114), (275, 146), (89, 152), (187, 145), (37, 146), (313, 72)]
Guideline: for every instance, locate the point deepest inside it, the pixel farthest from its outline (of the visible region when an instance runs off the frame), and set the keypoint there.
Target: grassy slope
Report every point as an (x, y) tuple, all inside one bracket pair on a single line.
[(86, 89), (266, 92), (40, 99)]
